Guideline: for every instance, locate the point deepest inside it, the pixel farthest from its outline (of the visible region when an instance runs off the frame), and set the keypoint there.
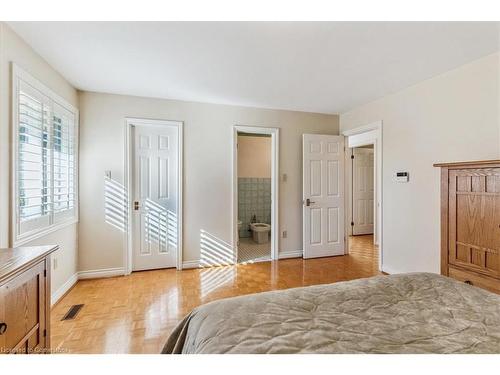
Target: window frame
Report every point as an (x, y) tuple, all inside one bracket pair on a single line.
[(21, 77)]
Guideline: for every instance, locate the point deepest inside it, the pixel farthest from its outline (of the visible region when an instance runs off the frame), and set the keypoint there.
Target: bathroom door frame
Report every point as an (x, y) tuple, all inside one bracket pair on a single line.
[(274, 133)]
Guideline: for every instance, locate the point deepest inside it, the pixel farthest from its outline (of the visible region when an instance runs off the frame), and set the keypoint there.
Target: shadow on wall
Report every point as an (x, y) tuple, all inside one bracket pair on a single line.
[(115, 204), (214, 251), (160, 224)]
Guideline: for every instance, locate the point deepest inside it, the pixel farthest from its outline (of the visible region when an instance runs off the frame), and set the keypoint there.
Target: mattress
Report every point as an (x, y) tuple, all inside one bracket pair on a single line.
[(405, 313)]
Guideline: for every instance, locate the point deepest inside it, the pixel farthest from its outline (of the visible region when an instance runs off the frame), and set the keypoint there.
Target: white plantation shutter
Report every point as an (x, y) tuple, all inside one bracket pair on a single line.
[(44, 159), (63, 149), (33, 166)]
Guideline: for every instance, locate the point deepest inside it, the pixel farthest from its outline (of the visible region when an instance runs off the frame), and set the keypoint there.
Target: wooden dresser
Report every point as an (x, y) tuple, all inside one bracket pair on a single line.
[(25, 299), (470, 222)]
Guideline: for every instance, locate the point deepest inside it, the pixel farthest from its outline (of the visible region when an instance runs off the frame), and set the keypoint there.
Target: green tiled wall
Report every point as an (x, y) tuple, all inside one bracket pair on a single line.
[(254, 198)]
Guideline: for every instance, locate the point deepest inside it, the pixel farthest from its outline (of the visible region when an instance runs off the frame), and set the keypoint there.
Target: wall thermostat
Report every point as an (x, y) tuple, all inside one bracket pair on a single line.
[(402, 177)]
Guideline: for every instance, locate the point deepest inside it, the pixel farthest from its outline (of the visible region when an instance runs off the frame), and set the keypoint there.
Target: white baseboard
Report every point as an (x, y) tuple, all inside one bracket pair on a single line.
[(190, 264), (56, 296), (390, 271), (105, 272), (290, 254)]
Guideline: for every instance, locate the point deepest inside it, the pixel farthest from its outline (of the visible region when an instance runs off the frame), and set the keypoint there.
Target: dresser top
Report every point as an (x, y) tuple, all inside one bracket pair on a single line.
[(468, 163), (14, 259)]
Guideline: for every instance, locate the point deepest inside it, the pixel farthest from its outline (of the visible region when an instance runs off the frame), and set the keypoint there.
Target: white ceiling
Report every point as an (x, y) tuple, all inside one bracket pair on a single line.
[(326, 67)]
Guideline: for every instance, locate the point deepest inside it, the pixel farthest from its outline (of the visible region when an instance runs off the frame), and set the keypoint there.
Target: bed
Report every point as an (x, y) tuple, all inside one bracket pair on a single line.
[(406, 313)]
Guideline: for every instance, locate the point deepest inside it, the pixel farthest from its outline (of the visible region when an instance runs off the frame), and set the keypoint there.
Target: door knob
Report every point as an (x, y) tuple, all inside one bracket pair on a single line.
[(3, 328), (308, 202)]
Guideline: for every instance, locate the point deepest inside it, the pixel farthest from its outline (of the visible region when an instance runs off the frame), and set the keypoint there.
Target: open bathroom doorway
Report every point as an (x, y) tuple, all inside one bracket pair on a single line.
[(255, 194)]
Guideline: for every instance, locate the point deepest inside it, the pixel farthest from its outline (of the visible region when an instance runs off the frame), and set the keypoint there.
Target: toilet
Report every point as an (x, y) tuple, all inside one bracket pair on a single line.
[(260, 232)]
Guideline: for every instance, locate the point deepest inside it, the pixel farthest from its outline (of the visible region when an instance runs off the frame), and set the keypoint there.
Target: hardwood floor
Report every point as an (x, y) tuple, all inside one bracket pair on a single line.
[(136, 313)]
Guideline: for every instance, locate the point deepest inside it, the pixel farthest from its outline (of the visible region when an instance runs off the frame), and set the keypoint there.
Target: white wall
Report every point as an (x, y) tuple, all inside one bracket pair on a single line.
[(451, 117), (254, 157), (14, 49), (207, 168)]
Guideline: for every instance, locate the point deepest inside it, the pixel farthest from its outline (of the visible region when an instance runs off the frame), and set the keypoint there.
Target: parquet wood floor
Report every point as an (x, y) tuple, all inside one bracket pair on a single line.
[(136, 313)]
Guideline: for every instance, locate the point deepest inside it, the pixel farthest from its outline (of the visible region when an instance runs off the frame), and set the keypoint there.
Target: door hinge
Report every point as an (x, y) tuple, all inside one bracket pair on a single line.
[(44, 273), (44, 333), (352, 223)]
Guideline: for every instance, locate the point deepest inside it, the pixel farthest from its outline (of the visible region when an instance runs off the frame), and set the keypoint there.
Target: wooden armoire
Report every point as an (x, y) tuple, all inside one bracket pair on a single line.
[(470, 222), (25, 299)]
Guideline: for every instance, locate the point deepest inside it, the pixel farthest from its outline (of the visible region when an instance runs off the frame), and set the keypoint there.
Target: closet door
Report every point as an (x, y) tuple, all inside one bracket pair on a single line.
[(474, 220)]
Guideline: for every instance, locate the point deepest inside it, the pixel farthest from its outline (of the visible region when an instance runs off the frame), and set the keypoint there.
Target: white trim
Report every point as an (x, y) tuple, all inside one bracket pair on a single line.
[(23, 240), (97, 274), (291, 254), (361, 136), (274, 132), (391, 271), (191, 264), (16, 239), (56, 296), (128, 183), (19, 72), (83, 275), (376, 125)]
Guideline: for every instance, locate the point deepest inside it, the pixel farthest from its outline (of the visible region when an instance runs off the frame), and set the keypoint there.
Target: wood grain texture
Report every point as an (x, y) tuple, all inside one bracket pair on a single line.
[(444, 221), (474, 220), (15, 260), (136, 313), (470, 222), (474, 163), (480, 281), (25, 299)]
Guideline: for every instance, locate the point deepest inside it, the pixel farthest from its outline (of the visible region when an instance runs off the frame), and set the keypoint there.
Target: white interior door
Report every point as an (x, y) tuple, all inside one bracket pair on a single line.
[(362, 191), (155, 174), (323, 194)]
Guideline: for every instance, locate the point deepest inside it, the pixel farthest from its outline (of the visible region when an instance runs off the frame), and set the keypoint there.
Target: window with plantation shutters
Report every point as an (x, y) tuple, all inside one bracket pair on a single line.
[(63, 156), (44, 159)]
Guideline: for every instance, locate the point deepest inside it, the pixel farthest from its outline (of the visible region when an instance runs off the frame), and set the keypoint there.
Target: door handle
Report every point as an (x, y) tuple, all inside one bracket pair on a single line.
[(308, 202), (136, 205), (3, 328)]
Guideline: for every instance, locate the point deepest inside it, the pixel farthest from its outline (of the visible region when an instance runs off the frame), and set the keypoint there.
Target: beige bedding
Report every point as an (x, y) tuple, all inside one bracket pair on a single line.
[(408, 313)]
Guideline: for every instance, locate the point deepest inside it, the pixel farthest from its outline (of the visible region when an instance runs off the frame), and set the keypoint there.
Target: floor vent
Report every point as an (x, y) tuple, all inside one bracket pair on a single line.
[(72, 312)]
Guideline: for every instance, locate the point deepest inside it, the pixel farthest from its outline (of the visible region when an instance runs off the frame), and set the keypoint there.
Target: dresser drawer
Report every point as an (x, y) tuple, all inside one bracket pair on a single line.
[(23, 312), (485, 282)]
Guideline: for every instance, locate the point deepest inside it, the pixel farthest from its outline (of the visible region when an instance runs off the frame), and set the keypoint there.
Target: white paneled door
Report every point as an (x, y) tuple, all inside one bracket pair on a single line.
[(155, 174), (323, 194), (362, 191)]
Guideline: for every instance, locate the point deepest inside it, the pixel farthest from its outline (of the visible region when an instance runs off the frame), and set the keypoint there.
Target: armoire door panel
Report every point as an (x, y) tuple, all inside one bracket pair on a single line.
[(26, 294), (474, 219)]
